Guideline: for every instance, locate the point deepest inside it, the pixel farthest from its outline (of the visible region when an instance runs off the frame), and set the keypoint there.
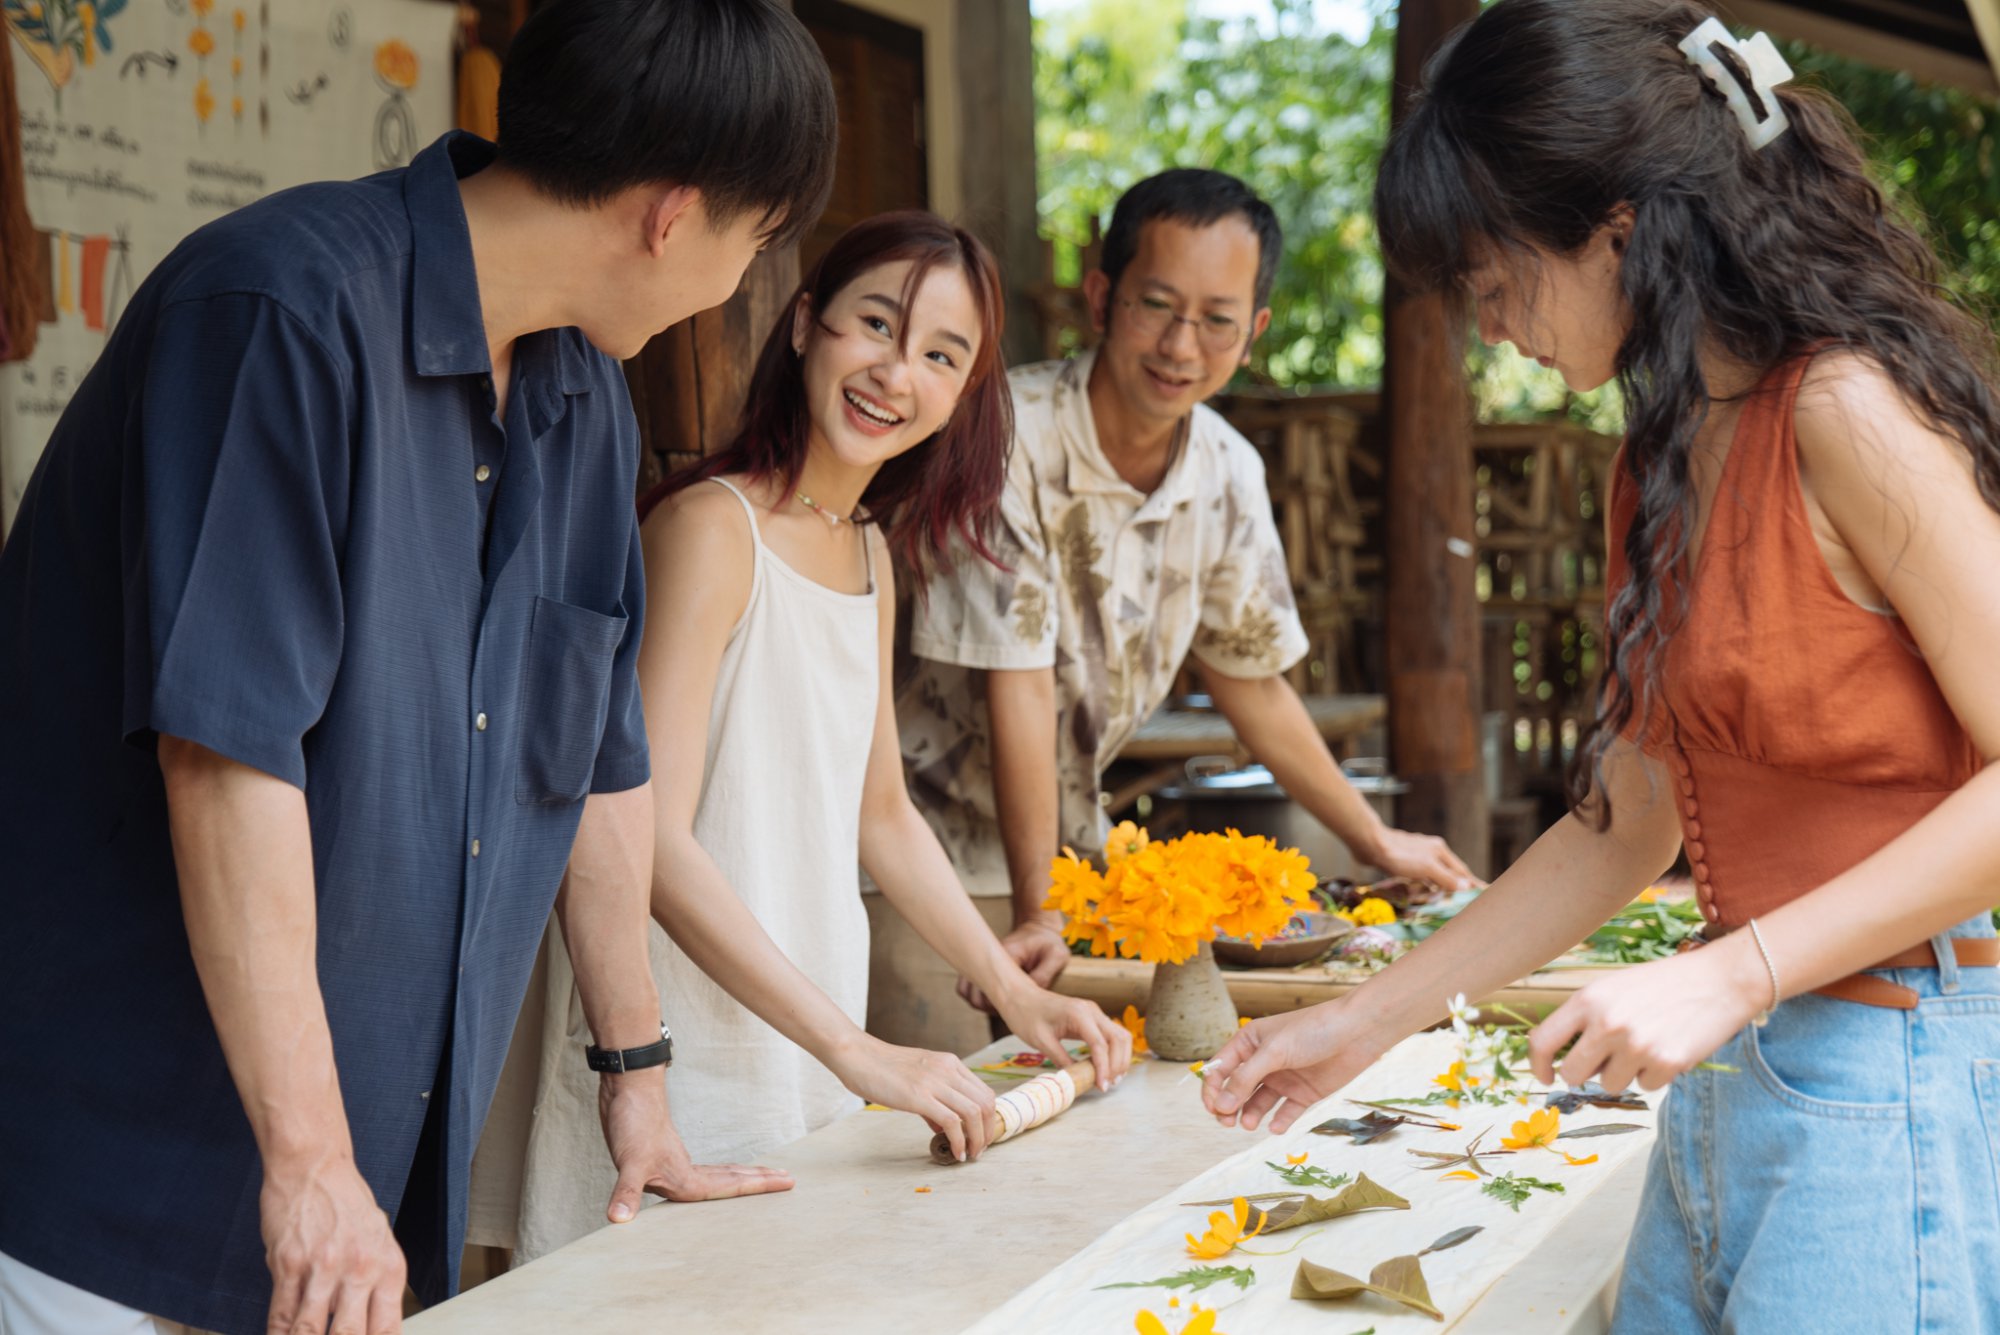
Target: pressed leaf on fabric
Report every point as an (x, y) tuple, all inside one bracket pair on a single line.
[(1400, 1279)]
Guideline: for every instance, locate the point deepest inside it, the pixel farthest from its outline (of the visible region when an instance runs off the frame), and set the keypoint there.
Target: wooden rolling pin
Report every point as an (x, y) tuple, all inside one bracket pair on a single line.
[(1025, 1108)]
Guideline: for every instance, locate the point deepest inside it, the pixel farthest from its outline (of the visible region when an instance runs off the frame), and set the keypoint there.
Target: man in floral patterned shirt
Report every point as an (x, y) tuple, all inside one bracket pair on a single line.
[(1136, 529)]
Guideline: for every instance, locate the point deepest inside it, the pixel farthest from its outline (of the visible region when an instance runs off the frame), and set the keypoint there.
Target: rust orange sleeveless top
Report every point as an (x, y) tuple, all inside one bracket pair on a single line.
[(1803, 731)]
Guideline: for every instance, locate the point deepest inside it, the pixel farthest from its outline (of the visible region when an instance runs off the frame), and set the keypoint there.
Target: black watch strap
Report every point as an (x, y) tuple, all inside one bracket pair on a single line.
[(620, 1060)]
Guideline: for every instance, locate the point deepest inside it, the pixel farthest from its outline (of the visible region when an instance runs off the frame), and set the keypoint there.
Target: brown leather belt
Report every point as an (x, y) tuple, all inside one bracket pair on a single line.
[(1972, 952)]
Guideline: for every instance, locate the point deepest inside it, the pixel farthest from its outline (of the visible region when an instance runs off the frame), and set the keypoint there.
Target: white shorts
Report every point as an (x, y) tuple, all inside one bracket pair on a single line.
[(32, 1303)]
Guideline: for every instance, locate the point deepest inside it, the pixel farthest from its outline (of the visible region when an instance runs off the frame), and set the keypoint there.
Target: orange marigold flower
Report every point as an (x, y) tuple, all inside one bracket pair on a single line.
[(204, 101), (201, 42), (1124, 840), (1135, 1025)]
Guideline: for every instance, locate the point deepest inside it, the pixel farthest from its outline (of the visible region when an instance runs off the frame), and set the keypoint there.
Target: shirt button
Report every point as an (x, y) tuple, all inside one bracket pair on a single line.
[(1693, 832), (479, 721), (1701, 874), (1709, 911), (475, 848), (481, 473)]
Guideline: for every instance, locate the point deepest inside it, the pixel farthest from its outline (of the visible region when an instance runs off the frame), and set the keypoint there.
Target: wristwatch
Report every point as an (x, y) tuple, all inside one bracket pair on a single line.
[(620, 1060)]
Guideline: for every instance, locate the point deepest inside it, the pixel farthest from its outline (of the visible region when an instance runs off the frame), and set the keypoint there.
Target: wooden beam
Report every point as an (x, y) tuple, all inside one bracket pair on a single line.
[(1433, 638), (1886, 50)]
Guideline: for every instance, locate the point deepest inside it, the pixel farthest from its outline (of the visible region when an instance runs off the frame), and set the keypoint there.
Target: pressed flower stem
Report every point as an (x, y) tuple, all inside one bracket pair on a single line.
[(1247, 1251)]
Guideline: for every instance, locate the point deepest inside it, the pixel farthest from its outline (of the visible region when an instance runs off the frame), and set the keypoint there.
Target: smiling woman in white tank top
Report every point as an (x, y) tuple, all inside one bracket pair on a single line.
[(877, 424)]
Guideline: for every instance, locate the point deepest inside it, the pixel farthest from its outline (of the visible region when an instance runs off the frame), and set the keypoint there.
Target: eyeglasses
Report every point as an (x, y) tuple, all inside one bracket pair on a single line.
[(1154, 316)]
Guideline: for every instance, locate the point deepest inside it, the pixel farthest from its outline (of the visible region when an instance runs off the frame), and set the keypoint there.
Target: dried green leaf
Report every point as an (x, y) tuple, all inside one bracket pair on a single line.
[(1593, 1094), (1362, 1195), (1363, 1129), (1305, 1175), (1453, 1238), (1399, 1279), (1195, 1280), (1601, 1129)]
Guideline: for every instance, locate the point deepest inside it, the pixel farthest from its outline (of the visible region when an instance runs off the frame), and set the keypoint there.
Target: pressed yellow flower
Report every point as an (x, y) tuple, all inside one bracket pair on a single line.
[(236, 107), (1225, 1231), (87, 16), (1652, 894), (201, 8), (1201, 1321), (204, 101), (1296, 1159), (1125, 839), (1449, 1126), (1372, 912), (1538, 1132), (239, 19), (236, 66), (1572, 1159), (1135, 1025), (1455, 1079), (201, 42), (1464, 1173)]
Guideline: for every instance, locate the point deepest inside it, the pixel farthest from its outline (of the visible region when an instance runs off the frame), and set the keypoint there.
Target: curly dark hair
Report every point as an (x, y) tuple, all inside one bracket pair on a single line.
[(1541, 118)]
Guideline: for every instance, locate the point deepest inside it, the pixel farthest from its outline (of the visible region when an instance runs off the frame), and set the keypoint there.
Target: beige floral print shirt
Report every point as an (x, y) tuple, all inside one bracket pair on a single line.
[(1109, 586)]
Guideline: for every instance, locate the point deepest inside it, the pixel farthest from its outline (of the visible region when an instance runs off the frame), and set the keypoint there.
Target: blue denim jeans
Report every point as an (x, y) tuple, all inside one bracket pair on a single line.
[(1844, 1178)]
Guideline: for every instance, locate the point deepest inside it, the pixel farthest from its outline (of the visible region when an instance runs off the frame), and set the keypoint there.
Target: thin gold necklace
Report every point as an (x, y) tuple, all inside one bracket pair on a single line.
[(829, 516)]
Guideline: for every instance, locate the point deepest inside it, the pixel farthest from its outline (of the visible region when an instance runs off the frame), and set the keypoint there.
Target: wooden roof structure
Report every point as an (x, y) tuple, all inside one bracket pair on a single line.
[(1954, 42)]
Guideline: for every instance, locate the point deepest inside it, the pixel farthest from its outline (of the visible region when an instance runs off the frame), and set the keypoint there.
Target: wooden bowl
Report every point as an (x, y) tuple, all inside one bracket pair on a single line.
[(1307, 937)]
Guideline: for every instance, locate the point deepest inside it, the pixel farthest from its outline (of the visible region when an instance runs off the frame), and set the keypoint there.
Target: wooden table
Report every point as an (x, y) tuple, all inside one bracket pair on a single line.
[(1116, 983), (1181, 734), (857, 1247)]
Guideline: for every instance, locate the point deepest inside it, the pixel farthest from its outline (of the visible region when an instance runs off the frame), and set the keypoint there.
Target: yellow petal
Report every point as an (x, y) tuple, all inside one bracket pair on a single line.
[(1201, 1323), (1588, 1158), (1296, 1159), (1465, 1173), (1148, 1324)]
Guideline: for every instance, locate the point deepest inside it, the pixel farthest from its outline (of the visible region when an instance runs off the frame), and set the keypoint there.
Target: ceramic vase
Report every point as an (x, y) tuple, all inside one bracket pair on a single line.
[(1189, 1015)]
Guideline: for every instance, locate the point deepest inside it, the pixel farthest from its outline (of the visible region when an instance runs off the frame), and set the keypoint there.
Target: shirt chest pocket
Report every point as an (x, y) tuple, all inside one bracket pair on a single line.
[(565, 696)]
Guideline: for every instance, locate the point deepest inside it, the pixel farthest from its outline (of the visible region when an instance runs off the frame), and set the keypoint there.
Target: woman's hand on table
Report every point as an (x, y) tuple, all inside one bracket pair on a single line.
[(1648, 1023), (1277, 1067), (936, 1086), (649, 1154), (1044, 1020)]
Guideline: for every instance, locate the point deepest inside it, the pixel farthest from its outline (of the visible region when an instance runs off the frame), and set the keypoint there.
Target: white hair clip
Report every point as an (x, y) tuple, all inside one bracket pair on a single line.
[(1767, 69)]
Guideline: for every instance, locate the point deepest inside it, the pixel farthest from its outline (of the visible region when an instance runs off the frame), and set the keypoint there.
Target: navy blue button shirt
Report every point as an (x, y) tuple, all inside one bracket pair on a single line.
[(281, 519)]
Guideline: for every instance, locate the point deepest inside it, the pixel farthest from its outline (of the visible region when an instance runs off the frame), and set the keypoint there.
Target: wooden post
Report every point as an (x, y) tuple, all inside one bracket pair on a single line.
[(1432, 614), (996, 78), (688, 385)]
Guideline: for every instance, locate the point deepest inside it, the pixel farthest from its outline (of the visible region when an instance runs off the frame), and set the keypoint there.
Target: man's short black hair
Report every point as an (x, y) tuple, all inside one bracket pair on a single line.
[(731, 97), (1198, 197)]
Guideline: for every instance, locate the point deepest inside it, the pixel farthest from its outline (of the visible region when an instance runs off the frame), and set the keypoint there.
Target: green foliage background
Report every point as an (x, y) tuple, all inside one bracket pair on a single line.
[(1125, 88)]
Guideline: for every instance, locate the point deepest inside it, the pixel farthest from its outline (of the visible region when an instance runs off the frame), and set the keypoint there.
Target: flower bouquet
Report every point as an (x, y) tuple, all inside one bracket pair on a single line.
[(1163, 903)]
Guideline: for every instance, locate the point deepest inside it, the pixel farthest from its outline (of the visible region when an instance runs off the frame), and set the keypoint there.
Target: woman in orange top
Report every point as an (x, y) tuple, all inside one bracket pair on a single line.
[(1803, 630)]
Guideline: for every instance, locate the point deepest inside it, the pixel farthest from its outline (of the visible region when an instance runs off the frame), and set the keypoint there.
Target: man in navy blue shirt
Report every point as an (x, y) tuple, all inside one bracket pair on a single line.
[(317, 641)]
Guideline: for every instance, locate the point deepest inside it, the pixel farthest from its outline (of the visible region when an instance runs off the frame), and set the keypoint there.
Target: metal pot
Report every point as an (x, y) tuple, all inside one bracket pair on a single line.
[(1219, 795)]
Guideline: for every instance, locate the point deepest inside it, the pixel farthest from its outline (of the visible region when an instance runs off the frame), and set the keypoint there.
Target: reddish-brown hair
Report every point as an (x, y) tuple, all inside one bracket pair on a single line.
[(949, 484)]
